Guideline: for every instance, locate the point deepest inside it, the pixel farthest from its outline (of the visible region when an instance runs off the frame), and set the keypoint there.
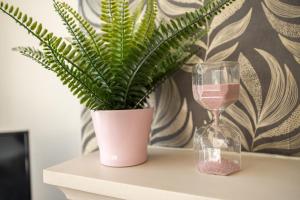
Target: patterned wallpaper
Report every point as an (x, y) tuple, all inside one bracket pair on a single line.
[(264, 36)]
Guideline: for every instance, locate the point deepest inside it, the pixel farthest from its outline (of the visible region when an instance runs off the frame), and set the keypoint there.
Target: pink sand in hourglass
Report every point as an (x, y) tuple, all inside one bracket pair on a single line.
[(223, 168), (216, 96)]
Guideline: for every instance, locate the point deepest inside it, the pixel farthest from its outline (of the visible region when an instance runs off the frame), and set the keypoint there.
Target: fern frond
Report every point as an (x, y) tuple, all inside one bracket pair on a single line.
[(169, 36), (90, 31), (81, 85), (167, 68), (33, 27), (34, 54), (147, 25), (119, 42), (108, 12), (137, 13), (120, 46), (82, 44), (70, 55)]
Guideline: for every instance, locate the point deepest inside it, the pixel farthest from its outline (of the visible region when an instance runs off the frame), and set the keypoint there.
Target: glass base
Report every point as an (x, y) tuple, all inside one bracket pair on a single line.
[(224, 168), (217, 149)]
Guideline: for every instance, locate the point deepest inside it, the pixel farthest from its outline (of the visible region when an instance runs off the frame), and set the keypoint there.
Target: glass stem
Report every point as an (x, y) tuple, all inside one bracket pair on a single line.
[(216, 114)]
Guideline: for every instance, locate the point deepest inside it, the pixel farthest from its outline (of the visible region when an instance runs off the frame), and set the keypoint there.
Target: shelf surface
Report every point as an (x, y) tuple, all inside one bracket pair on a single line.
[(170, 174)]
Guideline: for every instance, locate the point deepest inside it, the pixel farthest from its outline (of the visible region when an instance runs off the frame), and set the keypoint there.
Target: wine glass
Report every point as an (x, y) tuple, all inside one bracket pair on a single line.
[(216, 85)]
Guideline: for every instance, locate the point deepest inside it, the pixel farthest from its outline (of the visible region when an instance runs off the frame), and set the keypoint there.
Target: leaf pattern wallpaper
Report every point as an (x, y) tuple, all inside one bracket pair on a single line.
[(264, 36)]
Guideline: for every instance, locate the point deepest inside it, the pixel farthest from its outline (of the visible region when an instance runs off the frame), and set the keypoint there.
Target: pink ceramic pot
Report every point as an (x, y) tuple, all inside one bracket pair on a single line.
[(122, 136)]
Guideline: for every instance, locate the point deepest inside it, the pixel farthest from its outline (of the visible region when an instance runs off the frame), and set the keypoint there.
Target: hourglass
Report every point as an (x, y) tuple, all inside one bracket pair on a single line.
[(217, 145)]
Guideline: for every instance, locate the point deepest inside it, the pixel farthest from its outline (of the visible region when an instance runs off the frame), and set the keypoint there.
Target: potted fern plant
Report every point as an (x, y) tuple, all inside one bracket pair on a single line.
[(112, 73)]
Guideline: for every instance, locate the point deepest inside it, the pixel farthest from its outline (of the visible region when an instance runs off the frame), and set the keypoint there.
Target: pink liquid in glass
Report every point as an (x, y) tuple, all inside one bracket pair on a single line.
[(216, 96)]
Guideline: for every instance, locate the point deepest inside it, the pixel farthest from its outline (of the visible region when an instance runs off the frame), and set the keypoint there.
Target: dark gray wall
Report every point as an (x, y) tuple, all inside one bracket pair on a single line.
[(264, 36)]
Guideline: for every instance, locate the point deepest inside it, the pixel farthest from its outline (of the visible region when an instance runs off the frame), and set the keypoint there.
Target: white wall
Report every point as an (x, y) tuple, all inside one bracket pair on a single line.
[(32, 98)]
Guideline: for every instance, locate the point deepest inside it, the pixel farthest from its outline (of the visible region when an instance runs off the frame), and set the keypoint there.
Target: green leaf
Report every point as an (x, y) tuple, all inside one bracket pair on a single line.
[(11, 9), (24, 18), (147, 25), (33, 26)]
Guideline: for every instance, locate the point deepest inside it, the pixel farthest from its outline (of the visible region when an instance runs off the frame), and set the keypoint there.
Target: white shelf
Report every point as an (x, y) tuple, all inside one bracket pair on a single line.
[(170, 174)]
